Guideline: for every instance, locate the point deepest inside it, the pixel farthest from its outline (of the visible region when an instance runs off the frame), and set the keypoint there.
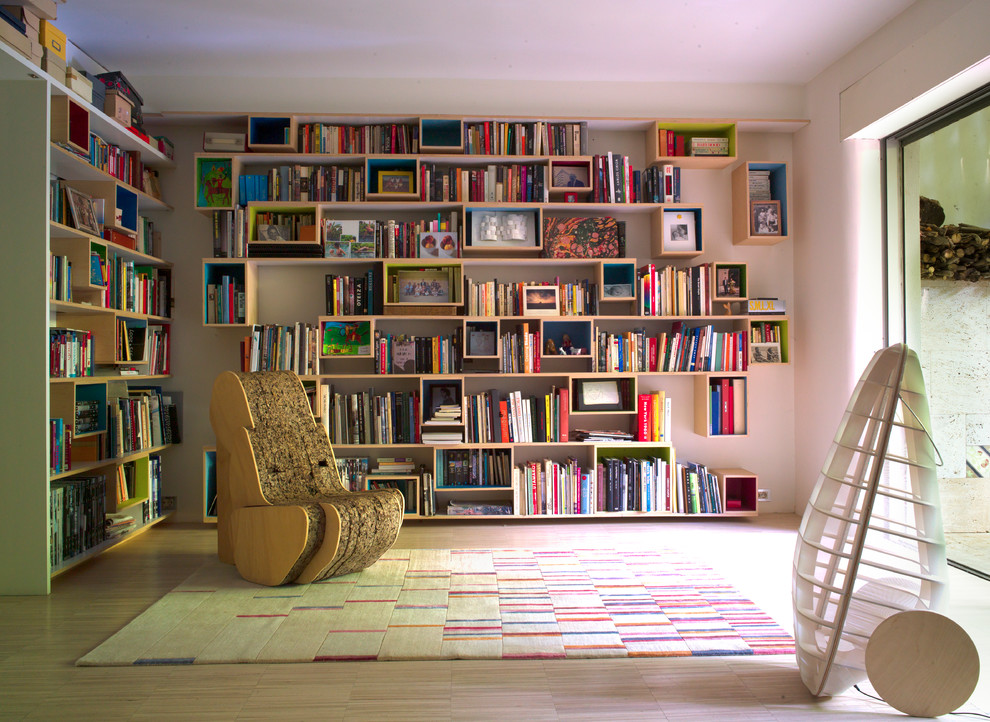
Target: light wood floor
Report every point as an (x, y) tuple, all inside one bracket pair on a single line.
[(41, 637)]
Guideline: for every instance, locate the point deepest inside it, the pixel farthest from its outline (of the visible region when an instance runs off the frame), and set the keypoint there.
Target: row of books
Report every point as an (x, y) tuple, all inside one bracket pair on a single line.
[(127, 486), (655, 484), (550, 487), (492, 137), (519, 352), (142, 419), (494, 416), (352, 295), (71, 353), (352, 472), (77, 509), (700, 348), (273, 347), (402, 485), (365, 417), (661, 184), (124, 165), (515, 183), (653, 417), (492, 298), (727, 398), (408, 354), (136, 288), (473, 467), (158, 351), (765, 332), (377, 139), (87, 416), (672, 291), (225, 300), (674, 144), (315, 183), (59, 278), (60, 445)]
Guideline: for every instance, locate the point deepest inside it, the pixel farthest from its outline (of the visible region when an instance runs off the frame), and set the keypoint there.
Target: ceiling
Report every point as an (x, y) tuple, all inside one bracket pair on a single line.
[(693, 41)]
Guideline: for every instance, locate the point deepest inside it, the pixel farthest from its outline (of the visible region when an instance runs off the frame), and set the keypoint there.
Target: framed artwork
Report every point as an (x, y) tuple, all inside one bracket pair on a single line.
[(83, 212), (679, 231), (570, 176), (442, 394), (346, 338), (423, 286), (395, 181), (438, 244), (765, 353), (592, 395), (273, 232), (728, 282), (617, 290), (764, 218), (214, 187), (540, 301)]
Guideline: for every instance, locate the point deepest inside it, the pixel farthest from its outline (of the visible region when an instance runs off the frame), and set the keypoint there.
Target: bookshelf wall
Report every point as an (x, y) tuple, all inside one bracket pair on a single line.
[(706, 194), (65, 466)]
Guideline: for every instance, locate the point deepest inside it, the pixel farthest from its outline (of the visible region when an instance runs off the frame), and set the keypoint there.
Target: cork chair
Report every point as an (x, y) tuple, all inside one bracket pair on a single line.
[(282, 513)]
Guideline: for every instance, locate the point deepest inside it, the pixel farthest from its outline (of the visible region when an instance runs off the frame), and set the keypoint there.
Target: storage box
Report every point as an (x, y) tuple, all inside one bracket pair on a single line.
[(52, 37), (52, 64), (79, 84), (117, 81), (118, 107)]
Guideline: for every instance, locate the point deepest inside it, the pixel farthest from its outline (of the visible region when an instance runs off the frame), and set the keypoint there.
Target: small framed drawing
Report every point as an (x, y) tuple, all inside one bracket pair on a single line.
[(679, 231), (423, 286), (83, 212), (597, 395), (395, 181), (540, 301), (764, 218), (765, 353)]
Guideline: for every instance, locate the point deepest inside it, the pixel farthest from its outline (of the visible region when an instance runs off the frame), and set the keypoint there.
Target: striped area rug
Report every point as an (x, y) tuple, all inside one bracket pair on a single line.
[(455, 604)]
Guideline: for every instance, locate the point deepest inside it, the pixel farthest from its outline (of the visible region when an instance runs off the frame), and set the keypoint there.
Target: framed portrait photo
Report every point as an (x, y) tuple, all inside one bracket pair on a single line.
[(82, 211), (395, 181), (679, 232), (764, 218), (593, 395), (540, 301), (765, 353), (423, 286)]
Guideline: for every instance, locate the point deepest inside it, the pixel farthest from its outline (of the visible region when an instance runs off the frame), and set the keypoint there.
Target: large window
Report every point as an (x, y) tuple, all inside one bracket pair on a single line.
[(938, 272)]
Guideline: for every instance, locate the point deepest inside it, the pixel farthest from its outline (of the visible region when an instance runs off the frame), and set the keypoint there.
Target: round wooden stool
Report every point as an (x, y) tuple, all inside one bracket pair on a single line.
[(922, 663)]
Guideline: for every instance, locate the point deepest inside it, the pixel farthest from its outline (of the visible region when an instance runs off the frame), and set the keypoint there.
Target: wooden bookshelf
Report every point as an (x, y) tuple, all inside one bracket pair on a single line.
[(603, 365), (50, 139)]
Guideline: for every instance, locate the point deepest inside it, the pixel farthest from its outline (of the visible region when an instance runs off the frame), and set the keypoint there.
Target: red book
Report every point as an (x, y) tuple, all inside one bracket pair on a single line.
[(644, 418), (565, 408), (726, 421), (503, 419)]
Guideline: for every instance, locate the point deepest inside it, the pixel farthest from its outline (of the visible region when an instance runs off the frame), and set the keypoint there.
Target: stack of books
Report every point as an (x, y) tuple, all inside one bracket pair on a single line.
[(709, 146), (394, 465), (759, 185)]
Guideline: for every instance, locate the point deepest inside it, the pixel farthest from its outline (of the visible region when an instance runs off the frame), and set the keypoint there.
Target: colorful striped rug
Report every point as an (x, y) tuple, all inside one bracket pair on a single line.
[(455, 604)]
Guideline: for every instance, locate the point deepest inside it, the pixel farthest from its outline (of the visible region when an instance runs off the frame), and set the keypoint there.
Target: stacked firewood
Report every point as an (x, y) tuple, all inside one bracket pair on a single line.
[(955, 252)]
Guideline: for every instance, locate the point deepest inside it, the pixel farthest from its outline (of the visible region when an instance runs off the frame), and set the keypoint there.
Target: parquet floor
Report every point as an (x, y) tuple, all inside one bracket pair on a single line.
[(41, 637)]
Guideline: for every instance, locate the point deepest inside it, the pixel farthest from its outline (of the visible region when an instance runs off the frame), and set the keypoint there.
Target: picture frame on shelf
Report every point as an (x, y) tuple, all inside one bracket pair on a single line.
[(594, 395), (346, 338), (540, 301), (765, 353), (481, 343), (728, 282), (617, 290), (82, 211), (273, 232), (438, 244), (764, 218), (395, 181), (430, 286), (570, 176), (444, 394), (337, 249), (679, 231)]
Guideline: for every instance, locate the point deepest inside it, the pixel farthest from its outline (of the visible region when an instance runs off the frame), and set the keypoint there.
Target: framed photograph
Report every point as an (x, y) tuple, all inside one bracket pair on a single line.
[(445, 395), (679, 231), (764, 218), (423, 286), (272, 232), (438, 244), (395, 181), (617, 290), (570, 176), (765, 353), (728, 282), (83, 212), (337, 249), (591, 395), (481, 343), (540, 301)]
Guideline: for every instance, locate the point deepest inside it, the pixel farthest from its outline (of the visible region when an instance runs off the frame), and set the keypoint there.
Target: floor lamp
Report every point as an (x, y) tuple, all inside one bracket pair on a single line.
[(869, 566)]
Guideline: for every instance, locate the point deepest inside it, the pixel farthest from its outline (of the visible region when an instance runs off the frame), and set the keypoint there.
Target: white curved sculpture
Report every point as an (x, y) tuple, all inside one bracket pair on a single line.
[(870, 544)]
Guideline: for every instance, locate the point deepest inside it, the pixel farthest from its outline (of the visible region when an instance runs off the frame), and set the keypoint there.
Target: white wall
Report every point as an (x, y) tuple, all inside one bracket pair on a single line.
[(838, 263)]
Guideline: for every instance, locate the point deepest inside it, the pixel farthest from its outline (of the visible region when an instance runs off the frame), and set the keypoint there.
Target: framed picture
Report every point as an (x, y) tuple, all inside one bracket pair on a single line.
[(273, 232), (679, 231), (570, 176), (764, 218), (395, 181), (765, 353), (423, 286), (83, 212), (594, 395), (617, 290), (438, 244), (346, 338), (337, 249), (540, 301), (728, 282), (445, 395)]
